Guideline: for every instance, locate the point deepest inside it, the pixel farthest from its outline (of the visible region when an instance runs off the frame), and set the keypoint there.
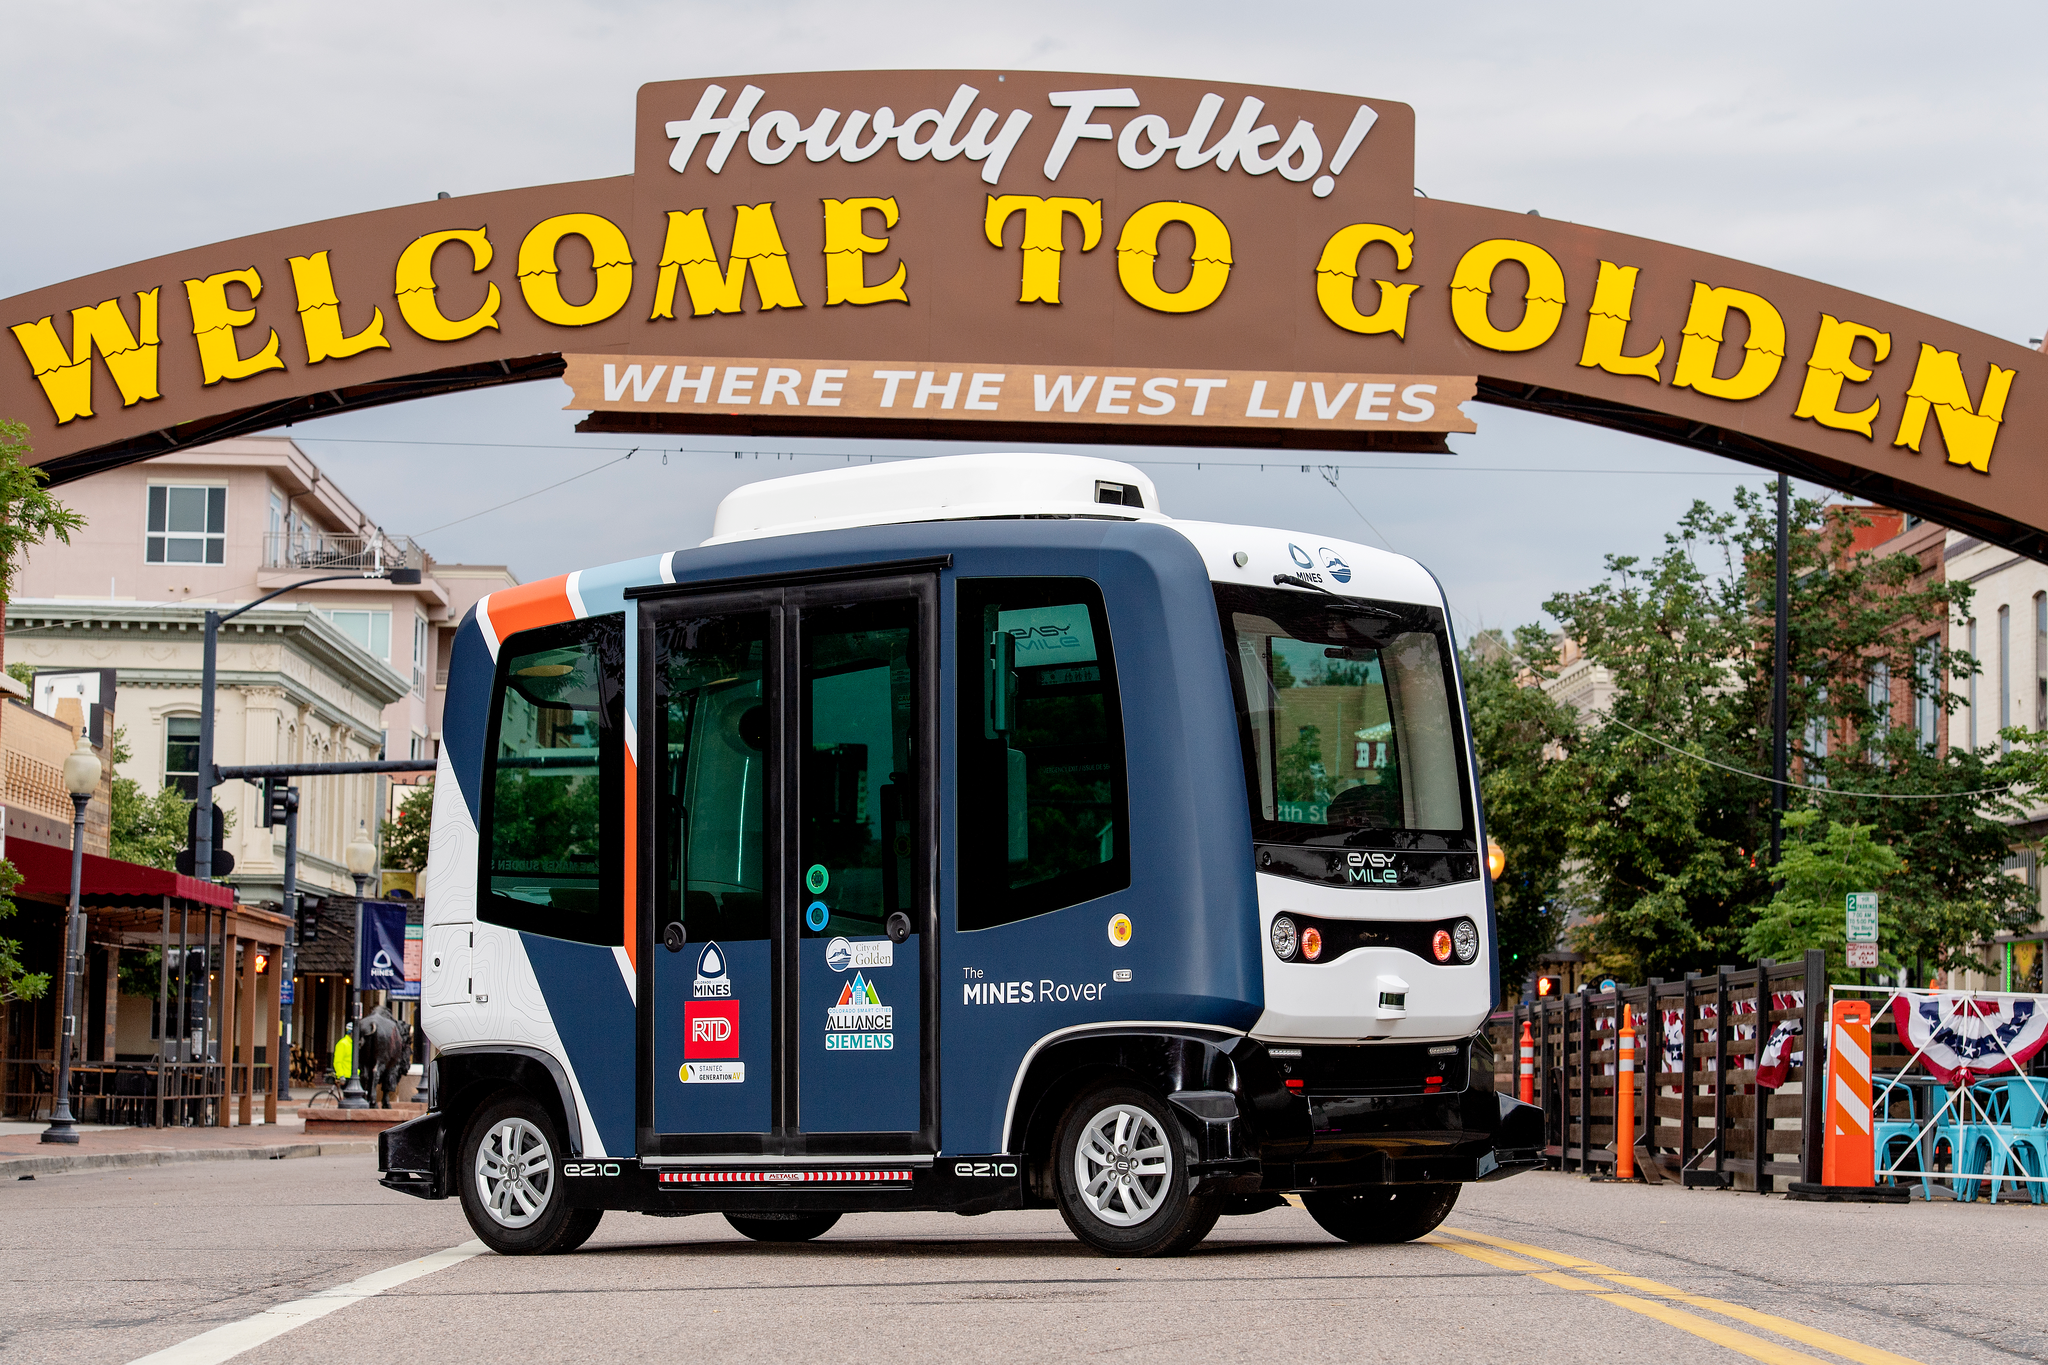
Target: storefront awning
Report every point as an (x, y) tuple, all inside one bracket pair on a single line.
[(46, 875)]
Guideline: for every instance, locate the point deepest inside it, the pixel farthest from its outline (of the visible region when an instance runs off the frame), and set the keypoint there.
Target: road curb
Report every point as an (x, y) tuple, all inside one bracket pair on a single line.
[(15, 1168)]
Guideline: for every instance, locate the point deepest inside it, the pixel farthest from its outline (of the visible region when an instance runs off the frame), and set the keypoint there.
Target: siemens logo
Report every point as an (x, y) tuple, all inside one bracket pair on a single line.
[(1045, 992)]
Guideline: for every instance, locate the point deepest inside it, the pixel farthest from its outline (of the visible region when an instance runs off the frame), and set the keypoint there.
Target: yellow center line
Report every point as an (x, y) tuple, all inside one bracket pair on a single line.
[(1785, 1327), (1756, 1348)]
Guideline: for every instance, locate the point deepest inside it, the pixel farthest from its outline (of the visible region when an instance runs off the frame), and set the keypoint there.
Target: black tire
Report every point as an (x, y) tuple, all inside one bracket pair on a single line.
[(1390, 1213), (782, 1227), (1148, 1210), (532, 1217)]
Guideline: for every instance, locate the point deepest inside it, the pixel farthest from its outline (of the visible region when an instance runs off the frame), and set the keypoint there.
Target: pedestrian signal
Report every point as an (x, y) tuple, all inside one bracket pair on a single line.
[(1548, 986)]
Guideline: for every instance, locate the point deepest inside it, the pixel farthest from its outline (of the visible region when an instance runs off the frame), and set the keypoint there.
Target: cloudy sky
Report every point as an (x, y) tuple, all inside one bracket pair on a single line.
[(1890, 149)]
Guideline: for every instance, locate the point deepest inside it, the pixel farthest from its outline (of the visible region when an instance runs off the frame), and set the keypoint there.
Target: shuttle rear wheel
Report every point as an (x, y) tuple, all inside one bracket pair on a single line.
[(1391, 1213), (1120, 1166), (782, 1227)]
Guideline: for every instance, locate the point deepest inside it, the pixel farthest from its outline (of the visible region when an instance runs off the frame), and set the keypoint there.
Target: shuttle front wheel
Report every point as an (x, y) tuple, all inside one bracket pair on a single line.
[(511, 1175), (1120, 1166), (1391, 1213)]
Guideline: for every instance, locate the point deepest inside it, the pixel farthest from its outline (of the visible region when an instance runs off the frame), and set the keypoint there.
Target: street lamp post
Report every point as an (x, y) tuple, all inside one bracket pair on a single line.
[(361, 855), (81, 779)]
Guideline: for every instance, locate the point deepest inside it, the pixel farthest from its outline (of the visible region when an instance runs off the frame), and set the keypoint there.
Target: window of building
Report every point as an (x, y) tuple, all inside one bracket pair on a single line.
[(1970, 685), (187, 525), (370, 629), (1816, 740), (1879, 697), (181, 755), (2041, 661), (552, 806), (2004, 675), (419, 655), (1043, 805), (1927, 692)]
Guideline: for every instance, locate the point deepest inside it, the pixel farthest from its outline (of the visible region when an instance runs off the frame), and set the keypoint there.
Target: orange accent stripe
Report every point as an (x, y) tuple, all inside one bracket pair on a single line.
[(632, 877), (531, 605)]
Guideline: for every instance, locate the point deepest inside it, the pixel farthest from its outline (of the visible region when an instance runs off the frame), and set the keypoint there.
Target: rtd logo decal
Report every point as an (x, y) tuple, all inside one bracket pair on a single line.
[(711, 1028)]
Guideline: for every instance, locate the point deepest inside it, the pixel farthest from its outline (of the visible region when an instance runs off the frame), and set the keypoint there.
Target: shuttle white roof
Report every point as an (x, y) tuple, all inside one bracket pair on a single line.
[(940, 488)]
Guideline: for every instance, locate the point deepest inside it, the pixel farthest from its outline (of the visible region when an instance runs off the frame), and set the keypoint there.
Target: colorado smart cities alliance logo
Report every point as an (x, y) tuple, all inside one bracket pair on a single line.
[(860, 1022)]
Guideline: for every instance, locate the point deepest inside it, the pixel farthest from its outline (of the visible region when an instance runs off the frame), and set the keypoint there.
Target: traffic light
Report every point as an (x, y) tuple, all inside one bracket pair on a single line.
[(309, 919), (1549, 987), (280, 800)]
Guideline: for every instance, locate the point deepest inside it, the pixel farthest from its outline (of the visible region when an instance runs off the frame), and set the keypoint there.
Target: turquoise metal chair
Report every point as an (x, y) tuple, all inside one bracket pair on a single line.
[(1896, 1131), (2025, 1150)]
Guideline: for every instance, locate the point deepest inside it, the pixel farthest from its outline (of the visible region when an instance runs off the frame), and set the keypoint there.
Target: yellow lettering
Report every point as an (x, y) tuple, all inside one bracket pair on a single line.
[(214, 322), (1337, 280), (1831, 364), (1967, 429), (1472, 286), (847, 241), (1044, 236), (1607, 327), (1700, 348), (610, 258), (417, 293), (1137, 257), (66, 376), (320, 314), (756, 249)]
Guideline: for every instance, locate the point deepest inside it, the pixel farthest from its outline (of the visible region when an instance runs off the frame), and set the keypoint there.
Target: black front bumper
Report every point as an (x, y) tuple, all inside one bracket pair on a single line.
[(413, 1157), (1332, 1116)]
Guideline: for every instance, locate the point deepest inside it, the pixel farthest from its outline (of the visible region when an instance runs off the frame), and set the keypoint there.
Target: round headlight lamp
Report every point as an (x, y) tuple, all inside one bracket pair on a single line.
[(1311, 943), (1465, 939), (1285, 940), (1440, 945)]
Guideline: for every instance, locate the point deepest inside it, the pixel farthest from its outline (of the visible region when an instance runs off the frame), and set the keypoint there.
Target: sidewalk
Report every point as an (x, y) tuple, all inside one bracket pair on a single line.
[(23, 1153)]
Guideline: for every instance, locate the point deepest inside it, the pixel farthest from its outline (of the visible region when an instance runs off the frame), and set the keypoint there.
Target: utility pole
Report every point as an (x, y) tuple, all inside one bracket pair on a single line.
[(1781, 646), (209, 776)]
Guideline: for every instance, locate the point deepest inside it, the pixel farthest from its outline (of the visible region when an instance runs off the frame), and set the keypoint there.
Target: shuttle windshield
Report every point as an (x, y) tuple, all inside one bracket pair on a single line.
[(1349, 715)]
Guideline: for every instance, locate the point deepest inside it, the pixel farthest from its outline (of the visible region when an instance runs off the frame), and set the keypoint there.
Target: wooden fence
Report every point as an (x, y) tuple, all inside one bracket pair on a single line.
[(1704, 1116)]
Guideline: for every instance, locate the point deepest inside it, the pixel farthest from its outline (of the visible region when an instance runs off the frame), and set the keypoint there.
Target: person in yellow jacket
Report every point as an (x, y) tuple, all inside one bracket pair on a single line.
[(344, 1058)]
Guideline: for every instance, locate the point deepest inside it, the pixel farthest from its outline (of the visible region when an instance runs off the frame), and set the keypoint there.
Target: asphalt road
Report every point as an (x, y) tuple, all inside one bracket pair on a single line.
[(110, 1266)]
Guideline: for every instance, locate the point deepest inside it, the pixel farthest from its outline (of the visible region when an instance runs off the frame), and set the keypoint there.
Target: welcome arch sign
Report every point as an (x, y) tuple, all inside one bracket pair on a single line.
[(1030, 255)]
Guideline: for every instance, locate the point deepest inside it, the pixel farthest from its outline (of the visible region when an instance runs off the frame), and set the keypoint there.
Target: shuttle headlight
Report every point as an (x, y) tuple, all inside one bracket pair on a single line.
[(1465, 939), (1311, 943), (1440, 945), (1285, 940)]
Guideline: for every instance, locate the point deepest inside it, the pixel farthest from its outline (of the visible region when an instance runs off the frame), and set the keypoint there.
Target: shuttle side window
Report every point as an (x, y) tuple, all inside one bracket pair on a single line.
[(1043, 805), (712, 709), (552, 792)]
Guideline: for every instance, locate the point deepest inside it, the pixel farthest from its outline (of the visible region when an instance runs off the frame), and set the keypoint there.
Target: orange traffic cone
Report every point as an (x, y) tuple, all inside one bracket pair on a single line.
[(1528, 1065), (1625, 1102)]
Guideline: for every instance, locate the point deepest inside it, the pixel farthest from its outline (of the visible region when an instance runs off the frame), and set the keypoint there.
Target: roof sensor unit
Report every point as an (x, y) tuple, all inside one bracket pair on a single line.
[(1118, 494)]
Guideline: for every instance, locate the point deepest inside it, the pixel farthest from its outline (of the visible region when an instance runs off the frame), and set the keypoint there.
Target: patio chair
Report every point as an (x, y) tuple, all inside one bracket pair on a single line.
[(1896, 1132), (2026, 1134), (1978, 1138)]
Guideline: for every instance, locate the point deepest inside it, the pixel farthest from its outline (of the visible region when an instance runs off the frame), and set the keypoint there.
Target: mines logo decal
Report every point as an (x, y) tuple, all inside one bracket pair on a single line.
[(712, 982)]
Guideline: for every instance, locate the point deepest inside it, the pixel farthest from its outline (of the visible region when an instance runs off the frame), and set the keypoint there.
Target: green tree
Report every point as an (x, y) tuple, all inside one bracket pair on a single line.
[(405, 839), (1668, 810), (28, 515), (1817, 871), (1520, 733), (144, 829)]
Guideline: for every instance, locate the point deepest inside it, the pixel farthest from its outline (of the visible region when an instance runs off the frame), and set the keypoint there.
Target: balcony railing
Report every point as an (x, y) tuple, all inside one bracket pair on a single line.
[(310, 550)]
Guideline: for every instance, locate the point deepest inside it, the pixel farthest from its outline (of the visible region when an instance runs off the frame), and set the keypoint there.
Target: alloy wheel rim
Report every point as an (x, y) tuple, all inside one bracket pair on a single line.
[(1122, 1165), (515, 1172)]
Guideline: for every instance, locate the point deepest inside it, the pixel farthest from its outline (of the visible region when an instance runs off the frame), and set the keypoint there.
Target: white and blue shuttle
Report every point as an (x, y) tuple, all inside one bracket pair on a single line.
[(960, 834)]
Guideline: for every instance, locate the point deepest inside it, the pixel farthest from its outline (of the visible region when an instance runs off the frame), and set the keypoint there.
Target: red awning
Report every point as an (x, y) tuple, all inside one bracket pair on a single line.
[(46, 875)]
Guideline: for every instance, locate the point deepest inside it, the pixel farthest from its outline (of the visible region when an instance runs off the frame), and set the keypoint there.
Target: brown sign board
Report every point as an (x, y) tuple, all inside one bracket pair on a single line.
[(1032, 225)]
